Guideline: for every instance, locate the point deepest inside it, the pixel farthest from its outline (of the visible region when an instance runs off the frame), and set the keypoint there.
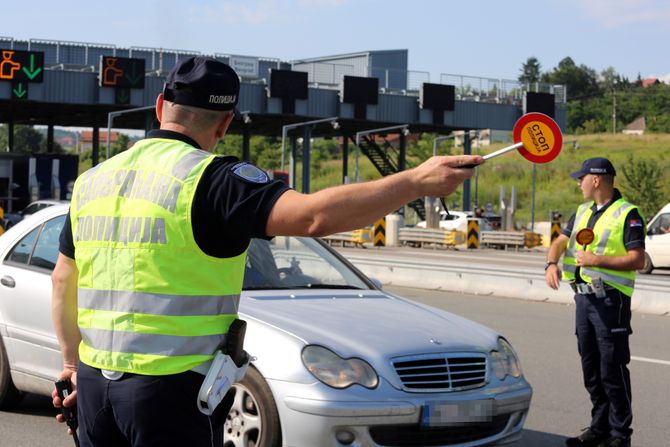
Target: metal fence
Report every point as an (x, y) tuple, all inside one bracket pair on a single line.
[(403, 81), (498, 91), (329, 75), (323, 74)]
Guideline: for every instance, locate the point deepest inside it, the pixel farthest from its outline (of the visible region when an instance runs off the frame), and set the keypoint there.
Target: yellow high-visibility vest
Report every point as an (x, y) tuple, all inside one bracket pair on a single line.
[(608, 241), (149, 300)]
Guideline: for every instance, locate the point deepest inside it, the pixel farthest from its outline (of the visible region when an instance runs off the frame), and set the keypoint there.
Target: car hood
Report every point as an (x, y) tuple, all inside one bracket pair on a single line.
[(368, 324)]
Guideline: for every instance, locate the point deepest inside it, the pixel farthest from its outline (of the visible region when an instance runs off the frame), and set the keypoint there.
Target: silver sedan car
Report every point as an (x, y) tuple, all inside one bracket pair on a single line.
[(337, 361)]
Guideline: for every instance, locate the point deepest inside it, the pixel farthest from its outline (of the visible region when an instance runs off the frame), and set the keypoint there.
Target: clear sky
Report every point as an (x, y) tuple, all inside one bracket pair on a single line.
[(473, 37)]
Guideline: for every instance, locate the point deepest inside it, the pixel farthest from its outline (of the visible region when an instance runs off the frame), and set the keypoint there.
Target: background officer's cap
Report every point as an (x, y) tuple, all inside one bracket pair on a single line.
[(202, 82), (595, 166)]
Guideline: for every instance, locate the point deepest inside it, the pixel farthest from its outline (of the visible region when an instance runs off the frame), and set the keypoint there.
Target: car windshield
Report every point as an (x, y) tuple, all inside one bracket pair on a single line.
[(34, 207), (296, 263)]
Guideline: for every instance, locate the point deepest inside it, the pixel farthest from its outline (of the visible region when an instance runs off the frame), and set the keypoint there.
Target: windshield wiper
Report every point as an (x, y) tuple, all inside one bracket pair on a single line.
[(327, 286), (305, 286)]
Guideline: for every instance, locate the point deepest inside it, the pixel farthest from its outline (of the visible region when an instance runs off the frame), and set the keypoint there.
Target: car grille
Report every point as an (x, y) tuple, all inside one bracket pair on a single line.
[(413, 435), (441, 372)]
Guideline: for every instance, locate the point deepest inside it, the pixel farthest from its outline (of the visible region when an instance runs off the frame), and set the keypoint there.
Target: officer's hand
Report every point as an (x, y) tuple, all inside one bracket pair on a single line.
[(70, 400), (441, 175), (553, 276), (586, 258)]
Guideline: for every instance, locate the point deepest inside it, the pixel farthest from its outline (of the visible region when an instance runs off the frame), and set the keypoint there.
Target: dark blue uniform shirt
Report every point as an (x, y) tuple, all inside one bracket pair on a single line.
[(228, 210)]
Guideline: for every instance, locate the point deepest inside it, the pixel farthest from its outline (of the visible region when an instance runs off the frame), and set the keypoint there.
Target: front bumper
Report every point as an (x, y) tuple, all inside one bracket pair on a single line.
[(315, 414)]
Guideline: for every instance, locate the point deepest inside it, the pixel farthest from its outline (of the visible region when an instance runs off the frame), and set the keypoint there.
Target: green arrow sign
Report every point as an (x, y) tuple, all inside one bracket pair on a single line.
[(33, 72), (134, 78), (21, 66), (122, 96), (19, 90)]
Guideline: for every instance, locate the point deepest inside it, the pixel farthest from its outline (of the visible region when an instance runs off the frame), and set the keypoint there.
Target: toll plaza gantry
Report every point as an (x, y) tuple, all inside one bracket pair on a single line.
[(55, 83)]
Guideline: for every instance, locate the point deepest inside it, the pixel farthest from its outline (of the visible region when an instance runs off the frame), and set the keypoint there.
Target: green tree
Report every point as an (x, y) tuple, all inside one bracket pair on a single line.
[(609, 79), (530, 71), (580, 80), (27, 140), (120, 145), (641, 184)]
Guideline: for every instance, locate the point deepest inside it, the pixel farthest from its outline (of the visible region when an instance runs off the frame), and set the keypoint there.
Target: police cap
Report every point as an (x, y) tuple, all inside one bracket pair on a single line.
[(202, 82), (595, 166)]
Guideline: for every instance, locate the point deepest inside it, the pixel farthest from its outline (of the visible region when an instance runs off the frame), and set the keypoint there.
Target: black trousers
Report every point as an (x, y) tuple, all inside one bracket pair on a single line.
[(143, 411), (603, 329)]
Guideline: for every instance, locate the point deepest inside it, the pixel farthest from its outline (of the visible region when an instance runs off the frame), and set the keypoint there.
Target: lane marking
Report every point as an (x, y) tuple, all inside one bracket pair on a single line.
[(648, 360)]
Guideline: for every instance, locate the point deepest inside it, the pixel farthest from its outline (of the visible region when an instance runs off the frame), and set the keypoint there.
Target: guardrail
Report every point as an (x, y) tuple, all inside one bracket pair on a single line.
[(356, 238), (420, 237), (505, 239)]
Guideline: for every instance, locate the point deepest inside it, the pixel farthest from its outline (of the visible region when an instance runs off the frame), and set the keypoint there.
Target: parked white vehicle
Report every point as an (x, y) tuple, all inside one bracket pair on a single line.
[(458, 221), (337, 361), (657, 243), (455, 220)]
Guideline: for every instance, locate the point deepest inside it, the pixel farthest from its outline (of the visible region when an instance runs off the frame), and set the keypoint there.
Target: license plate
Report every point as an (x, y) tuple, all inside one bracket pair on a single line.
[(442, 413)]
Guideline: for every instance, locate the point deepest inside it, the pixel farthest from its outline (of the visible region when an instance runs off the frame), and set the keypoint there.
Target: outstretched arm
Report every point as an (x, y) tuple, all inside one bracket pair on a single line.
[(348, 207)]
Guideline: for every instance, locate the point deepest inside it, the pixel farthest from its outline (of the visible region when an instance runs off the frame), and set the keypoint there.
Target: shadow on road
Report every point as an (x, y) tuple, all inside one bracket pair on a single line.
[(35, 405), (532, 438)]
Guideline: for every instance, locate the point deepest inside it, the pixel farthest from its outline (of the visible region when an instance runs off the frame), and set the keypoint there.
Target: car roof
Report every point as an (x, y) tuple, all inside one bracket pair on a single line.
[(50, 201)]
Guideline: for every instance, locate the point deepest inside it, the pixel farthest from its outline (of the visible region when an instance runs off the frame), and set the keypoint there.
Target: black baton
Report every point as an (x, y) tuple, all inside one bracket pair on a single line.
[(64, 389)]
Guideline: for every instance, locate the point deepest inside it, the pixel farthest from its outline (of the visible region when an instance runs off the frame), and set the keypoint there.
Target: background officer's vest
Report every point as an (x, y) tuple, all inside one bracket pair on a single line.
[(150, 301), (608, 241)]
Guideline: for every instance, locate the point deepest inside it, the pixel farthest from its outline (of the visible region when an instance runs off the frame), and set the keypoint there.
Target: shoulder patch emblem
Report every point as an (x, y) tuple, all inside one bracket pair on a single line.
[(250, 173)]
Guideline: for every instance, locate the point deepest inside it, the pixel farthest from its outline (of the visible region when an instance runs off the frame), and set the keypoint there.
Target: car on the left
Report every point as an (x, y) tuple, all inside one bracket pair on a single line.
[(12, 219)]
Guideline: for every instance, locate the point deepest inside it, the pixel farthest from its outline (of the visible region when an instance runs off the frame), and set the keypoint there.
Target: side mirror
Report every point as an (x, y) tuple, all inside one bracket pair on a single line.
[(377, 283)]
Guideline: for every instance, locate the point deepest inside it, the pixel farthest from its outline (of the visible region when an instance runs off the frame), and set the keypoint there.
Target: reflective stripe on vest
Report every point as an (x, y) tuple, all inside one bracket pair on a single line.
[(608, 241), (150, 301), (157, 304)]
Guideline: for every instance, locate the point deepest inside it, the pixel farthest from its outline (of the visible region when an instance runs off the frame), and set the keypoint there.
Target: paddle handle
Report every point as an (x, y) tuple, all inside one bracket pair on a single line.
[(496, 153)]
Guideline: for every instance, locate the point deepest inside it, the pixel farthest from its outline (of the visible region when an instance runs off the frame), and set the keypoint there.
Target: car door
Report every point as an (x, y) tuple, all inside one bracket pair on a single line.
[(658, 240), (25, 300)]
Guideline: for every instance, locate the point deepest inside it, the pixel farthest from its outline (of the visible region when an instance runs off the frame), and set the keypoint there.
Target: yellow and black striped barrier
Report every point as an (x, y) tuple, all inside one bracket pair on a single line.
[(473, 233), (379, 238), (555, 229), (532, 239)]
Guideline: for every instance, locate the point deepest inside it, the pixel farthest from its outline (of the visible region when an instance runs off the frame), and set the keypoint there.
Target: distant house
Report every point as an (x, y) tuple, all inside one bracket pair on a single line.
[(67, 141), (86, 139), (637, 127), (649, 82)]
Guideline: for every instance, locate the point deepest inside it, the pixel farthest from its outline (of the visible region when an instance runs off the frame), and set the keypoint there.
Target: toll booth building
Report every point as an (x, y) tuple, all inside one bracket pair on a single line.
[(360, 98)]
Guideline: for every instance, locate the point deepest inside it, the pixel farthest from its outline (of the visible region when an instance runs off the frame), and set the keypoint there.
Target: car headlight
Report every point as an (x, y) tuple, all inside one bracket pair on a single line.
[(504, 361), (336, 371)]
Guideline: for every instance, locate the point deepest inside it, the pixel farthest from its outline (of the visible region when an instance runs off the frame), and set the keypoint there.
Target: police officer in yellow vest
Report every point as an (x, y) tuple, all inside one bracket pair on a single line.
[(151, 262), (602, 275)]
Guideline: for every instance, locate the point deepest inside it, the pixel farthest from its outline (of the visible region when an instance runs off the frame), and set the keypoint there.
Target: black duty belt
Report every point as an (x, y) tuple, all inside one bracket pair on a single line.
[(585, 288)]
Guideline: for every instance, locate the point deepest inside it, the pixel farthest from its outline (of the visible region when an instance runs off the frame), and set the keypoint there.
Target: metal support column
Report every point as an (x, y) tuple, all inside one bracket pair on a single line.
[(149, 119), (246, 135), (467, 150), (345, 159), (294, 152), (306, 147), (10, 137), (50, 138), (95, 152), (403, 151), (532, 202)]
